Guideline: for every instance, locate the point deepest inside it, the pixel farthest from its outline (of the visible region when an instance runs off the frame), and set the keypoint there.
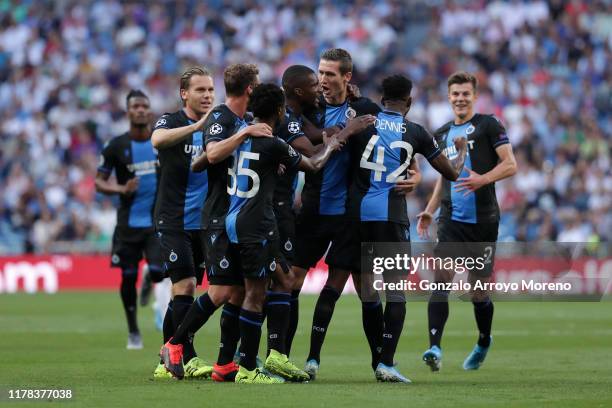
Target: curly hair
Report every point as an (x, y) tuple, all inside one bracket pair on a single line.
[(396, 87), (266, 100)]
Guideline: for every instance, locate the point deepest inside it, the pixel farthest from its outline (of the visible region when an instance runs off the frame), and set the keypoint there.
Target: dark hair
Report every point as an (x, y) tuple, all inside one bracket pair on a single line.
[(396, 87), (134, 93), (294, 77), (266, 100), (462, 77), (340, 55), (238, 77)]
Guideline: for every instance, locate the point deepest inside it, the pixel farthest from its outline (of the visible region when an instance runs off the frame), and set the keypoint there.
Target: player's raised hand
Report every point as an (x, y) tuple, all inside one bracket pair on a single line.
[(469, 184), (359, 123), (199, 125), (130, 186), (460, 143), (259, 130), (425, 220), (408, 185), (331, 141)]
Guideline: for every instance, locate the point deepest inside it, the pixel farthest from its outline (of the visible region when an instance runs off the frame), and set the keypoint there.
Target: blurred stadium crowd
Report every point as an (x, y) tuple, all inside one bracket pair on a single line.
[(66, 66)]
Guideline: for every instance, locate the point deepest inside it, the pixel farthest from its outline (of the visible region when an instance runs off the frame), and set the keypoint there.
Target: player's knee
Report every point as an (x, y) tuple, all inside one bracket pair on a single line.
[(439, 296), (395, 297), (480, 297), (337, 279), (237, 297), (299, 274), (129, 276), (282, 282), (222, 294), (184, 287), (157, 273)]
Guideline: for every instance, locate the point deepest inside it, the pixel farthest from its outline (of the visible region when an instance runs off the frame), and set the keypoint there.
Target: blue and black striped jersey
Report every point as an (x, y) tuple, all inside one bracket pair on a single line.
[(380, 156), (182, 192), (131, 158), (252, 178), (325, 192), (220, 125), (484, 134)]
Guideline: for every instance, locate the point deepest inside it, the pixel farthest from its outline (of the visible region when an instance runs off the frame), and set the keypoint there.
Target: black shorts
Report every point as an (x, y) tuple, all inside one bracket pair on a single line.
[(285, 220), (364, 236), (130, 245), (256, 260), (182, 253), (222, 259), (315, 234), (460, 239)]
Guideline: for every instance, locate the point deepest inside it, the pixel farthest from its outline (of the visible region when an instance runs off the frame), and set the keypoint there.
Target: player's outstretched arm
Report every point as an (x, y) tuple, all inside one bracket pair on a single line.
[(315, 163), (162, 138), (451, 169), (314, 134), (506, 167), (105, 186), (304, 146), (221, 150), (200, 163), (354, 126)]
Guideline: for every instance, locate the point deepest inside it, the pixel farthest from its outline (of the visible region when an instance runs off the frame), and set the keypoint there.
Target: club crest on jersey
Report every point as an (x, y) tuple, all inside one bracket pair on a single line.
[(470, 130), (160, 122), (293, 127), (350, 113), (173, 256), (273, 266), (224, 264), (115, 258), (215, 129), (288, 245)]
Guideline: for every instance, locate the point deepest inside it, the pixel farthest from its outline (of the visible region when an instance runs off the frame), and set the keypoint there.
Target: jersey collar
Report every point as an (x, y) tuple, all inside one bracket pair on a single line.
[(393, 113)]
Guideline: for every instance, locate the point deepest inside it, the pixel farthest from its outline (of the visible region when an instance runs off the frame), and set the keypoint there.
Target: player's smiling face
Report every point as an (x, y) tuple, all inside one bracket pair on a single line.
[(139, 111), (200, 95), (333, 83), (462, 98)]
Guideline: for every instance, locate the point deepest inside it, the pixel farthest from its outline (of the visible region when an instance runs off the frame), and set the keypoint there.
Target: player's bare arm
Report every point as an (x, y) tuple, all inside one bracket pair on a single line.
[(219, 151), (506, 167), (105, 185), (354, 126), (163, 138), (315, 163), (426, 217), (314, 134), (201, 163), (304, 146), (451, 169)]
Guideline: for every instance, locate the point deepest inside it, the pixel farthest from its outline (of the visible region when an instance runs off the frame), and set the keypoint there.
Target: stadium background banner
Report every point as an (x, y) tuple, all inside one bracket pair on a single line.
[(53, 273)]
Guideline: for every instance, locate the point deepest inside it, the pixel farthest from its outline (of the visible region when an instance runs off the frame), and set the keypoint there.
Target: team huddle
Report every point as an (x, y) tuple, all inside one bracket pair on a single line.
[(212, 190)]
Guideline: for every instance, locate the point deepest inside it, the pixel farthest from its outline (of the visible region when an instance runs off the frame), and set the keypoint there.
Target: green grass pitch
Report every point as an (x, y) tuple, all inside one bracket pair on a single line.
[(544, 354)]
